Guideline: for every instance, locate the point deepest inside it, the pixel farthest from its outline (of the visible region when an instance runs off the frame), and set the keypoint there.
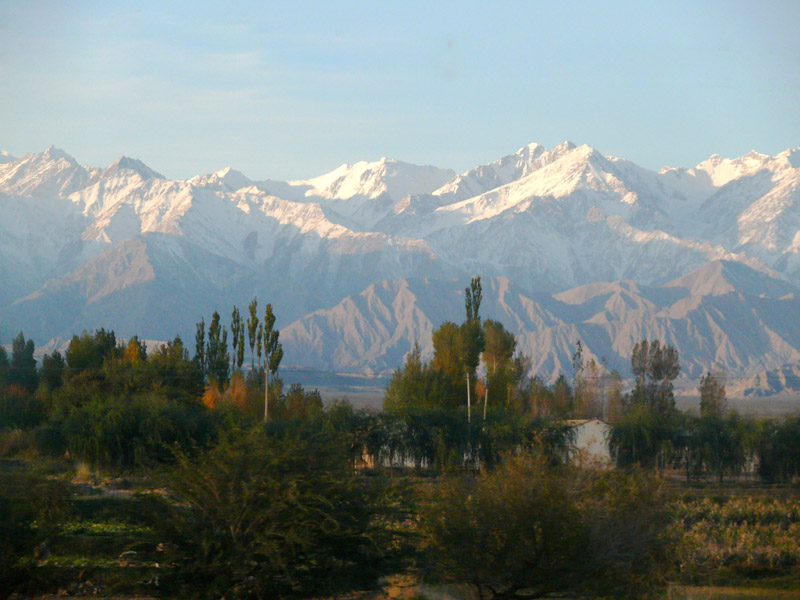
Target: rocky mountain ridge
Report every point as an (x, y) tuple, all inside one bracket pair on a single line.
[(124, 247)]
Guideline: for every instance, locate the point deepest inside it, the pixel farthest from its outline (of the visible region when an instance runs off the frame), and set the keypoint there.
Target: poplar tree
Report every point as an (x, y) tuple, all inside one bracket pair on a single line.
[(237, 330), (273, 353), (472, 338), (498, 355), (252, 331), (240, 349), (260, 343), (217, 358), (200, 346)]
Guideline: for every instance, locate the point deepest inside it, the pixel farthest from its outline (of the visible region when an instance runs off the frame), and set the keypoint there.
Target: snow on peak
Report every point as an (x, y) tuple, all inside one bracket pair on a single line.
[(50, 173), (54, 154), (225, 180), (373, 179), (505, 170), (722, 170), (5, 157), (124, 163)]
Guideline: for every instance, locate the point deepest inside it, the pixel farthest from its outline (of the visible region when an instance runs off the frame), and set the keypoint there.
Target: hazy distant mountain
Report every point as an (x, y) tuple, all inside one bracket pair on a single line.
[(785, 379), (705, 315), (362, 261)]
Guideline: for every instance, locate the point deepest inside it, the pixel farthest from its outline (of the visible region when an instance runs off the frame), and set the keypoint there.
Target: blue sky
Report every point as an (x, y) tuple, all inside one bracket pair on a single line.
[(294, 89)]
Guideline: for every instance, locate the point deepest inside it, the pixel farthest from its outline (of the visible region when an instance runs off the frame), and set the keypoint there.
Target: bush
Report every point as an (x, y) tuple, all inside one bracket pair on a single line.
[(123, 432), (19, 408), (532, 529), (14, 442), (274, 517)]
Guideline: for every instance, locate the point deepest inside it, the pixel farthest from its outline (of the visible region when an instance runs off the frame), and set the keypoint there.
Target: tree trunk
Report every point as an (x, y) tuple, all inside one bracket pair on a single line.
[(266, 395), (469, 403), (485, 398)]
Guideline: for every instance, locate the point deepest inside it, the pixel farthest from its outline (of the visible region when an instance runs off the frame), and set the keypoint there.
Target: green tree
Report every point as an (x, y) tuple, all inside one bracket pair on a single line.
[(237, 329), (301, 405), (173, 374), (122, 432), (719, 444), (52, 372), (779, 452), (498, 353), (273, 353), (200, 346), (216, 353), (654, 368), (420, 386), (253, 331), (88, 352), (562, 398), (642, 437), (471, 339), (447, 351), (712, 394), (407, 386), (23, 366)]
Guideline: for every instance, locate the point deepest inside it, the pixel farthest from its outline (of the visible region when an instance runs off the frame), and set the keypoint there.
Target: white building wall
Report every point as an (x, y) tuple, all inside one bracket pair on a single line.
[(591, 442)]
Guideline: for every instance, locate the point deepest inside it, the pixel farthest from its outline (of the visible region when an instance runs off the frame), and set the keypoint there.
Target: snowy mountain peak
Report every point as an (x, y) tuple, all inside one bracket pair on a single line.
[(564, 146), (505, 170), (5, 157), (126, 250), (126, 164), (373, 179), (50, 173), (224, 180), (52, 153), (722, 170)]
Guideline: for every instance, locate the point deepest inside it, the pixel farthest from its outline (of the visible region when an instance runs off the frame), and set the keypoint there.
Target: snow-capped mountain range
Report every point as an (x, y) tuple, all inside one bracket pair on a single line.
[(362, 262)]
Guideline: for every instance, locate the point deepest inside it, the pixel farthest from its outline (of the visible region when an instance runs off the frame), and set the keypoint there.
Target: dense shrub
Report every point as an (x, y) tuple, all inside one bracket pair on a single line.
[(280, 516), (19, 408), (528, 529), (121, 432)]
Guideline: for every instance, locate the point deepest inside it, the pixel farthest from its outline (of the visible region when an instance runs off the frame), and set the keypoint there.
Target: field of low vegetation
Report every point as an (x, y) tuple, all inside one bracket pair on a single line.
[(157, 474)]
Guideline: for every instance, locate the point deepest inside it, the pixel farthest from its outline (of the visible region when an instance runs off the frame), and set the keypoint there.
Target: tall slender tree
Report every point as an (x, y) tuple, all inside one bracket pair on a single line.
[(217, 358), (200, 346), (498, 356), (252, 331), (472, 339), (237, 329), (260, 343), (240, 349), (273, 353)]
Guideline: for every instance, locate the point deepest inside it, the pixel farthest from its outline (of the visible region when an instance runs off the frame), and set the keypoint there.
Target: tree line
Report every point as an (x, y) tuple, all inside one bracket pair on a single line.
[(436, 415)]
